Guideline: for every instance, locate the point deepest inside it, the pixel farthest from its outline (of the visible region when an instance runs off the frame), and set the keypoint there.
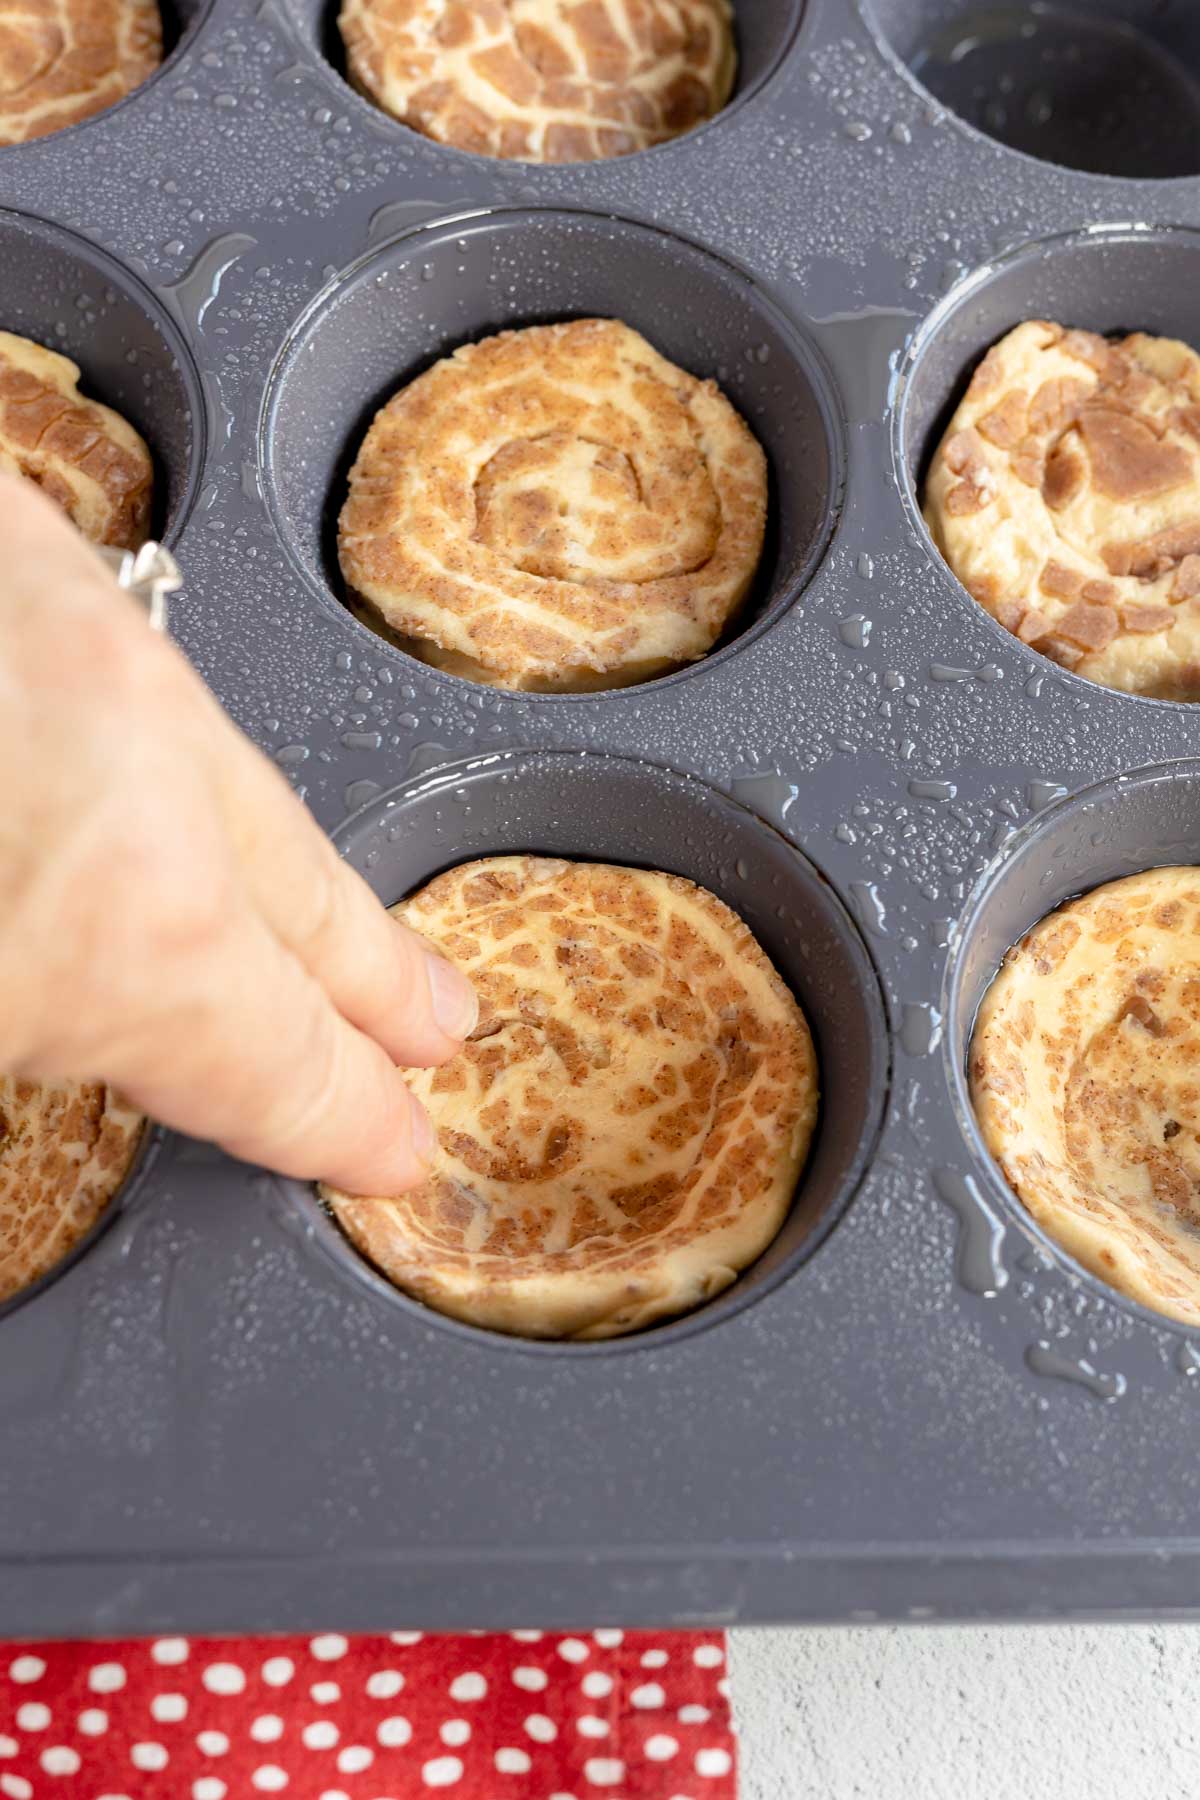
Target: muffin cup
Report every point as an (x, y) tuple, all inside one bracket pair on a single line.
[(604, 809)]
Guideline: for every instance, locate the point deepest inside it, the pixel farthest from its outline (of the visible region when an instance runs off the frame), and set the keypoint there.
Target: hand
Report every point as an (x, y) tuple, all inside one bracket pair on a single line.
[(172, 921)]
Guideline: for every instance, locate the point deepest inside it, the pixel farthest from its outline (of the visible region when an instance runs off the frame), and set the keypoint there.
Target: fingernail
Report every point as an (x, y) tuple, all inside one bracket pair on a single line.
[(424, 1137), (454, 1004)]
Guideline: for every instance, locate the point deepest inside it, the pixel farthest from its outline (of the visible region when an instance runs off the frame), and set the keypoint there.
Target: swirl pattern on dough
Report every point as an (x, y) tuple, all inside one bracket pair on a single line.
[(63, 60), (82, 454), (543, 80), (558, 508), (65, 1149), (624, 1131), (1066, 498), (1085, 1078)]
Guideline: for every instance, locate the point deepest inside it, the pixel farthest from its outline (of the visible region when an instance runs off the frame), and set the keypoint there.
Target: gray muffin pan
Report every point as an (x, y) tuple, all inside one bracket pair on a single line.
[(217, 1417)]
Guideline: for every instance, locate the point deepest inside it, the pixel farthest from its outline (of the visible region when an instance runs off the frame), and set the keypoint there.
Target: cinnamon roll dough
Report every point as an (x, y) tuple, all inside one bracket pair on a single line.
[(65, 1149), (625, 1129), (63, 60), (1066, 498), (1085, 1078), (82, 454), (543, 80), (558, 508)]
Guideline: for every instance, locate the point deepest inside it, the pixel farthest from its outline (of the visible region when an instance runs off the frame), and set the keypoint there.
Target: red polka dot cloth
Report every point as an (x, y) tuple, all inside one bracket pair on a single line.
[(522, 1715)]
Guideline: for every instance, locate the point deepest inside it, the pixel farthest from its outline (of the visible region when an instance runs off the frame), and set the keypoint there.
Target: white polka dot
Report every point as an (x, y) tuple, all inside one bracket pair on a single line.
[(693, 1715), (562, 1797), (277, 1671), (329, 1647), (527, 1637), (169, 1651), (604, 1771), (33, 1716), (112, 1797), (541, 1729), (654, 1659), (609, 1639), (708, 1656), (468, 1687), (588, 1726), (106, 1678), (8, 1746), (325, 1693), (512, 1762), (384, 1684), (354, 1759), (394, 1732), (212, 1743), (335, 1794), (168, 1709), (595, 1685), (323, 1734), (269, 1779), (267, 1728), (574, 1650), (148, 1756), (648, 1695), (661, 1748), (443, 1771), (406, 1637), (60, 1760), (16, 1786), (713, 1762), (532, 1680), (454, 1732), (223, 1678), (723, 1687), (27, 1668), (209, 1787)]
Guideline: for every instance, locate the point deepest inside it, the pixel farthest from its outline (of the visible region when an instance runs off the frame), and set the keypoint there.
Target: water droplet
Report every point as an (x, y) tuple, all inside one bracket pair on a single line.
[(932, 790), (1041, 793), (979, 1264), (858, 130), (855, 631), (869, 905), (362, 740), (292, 754), (920, 1027), (358, 793), (1044, 1359), (865, 565), (191, 296)]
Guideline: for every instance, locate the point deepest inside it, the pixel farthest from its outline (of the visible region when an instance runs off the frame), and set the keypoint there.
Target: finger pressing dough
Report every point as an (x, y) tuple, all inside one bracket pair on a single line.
[(543, 80), (556, 508), (63, 60), (625, 1129), (82, 454), (65, 1149), (1066, 498), (1085, 1077)]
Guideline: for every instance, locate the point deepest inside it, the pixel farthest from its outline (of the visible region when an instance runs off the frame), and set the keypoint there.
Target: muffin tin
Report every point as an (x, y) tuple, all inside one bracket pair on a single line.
[(217, 1417)]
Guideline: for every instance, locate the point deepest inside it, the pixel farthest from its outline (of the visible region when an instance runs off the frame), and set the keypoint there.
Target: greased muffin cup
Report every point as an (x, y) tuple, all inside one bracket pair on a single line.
[(913, 1403)]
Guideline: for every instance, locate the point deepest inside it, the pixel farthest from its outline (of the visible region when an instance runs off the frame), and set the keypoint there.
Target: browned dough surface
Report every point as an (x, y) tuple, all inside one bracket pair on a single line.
[(543, 80), (626, 1128), (555, 508), (1085, 1076), (63, 60), (1066, 498), (80, 453), (65, 1149)]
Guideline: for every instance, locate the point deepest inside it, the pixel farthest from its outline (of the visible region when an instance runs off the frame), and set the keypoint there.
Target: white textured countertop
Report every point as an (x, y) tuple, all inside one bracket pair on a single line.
[(982, 1713)]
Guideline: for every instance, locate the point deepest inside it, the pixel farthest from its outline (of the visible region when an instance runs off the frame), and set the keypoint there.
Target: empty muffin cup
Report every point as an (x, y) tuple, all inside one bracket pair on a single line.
[(603, 810), (1110, 88)]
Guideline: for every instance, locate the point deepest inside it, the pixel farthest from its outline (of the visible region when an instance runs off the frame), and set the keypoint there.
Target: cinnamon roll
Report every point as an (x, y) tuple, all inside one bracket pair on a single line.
[(63, 60), (558, 508), (626, 1127)]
